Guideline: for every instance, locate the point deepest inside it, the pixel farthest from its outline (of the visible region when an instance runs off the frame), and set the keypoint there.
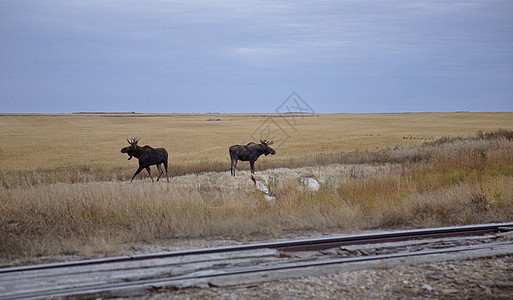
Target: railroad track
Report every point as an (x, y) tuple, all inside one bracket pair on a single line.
[(128, 275)]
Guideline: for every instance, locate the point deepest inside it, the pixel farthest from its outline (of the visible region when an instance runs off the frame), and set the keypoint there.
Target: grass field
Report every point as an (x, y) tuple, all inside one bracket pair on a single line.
[(92, 142), (64, 188)]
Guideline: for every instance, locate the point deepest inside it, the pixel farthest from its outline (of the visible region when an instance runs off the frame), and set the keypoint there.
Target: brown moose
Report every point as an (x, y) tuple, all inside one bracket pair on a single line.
[(147, 156), (249, 152)]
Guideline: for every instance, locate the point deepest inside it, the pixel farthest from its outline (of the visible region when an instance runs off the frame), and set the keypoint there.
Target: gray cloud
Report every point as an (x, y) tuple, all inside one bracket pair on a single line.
[(331, 50)]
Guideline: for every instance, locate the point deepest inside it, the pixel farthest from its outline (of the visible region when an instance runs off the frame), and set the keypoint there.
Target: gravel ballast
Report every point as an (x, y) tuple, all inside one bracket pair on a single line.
[(483, 278)]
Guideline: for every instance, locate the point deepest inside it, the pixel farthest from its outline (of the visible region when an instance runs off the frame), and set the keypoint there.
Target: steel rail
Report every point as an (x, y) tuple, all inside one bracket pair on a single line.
[(102, 289), (289, 245)]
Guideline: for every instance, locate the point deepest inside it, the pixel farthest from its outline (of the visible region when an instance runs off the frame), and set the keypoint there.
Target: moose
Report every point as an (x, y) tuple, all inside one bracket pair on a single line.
[(249, 152), (147, 156)]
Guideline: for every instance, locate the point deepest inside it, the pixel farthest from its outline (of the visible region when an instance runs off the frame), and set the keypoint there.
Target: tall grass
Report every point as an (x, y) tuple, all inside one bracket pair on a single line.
[(446, 182)]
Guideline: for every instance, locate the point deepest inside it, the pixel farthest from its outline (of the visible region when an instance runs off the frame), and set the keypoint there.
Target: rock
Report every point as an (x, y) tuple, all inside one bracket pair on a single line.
[(427, 287), (260, 185), (448, 291), (311, 183), (270, 198)]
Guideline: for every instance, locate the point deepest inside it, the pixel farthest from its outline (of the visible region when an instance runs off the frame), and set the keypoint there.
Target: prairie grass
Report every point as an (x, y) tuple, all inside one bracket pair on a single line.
[(85, 209), (90, 144)]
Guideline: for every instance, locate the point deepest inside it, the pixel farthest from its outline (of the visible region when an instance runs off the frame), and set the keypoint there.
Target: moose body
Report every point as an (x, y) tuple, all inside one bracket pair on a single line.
[(250, 152), (147, 156)]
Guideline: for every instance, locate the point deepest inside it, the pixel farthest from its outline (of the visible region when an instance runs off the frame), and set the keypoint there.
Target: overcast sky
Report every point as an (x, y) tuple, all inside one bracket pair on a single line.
[(248, 56)]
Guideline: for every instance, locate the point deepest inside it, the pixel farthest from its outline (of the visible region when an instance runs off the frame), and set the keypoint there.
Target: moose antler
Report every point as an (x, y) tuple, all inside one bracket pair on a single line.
[(133, 141), (266, 142)]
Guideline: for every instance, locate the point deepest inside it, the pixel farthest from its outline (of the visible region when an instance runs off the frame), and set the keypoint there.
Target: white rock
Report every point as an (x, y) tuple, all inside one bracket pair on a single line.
[(270, 198), (427, 287), (311, 183), (262, 186)]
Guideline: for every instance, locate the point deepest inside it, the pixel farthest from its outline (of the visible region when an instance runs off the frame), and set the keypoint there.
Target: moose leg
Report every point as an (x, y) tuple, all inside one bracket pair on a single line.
[(159, 167), (137, 172), (252, 164), (233, 166), (149, 172), (165, 167)]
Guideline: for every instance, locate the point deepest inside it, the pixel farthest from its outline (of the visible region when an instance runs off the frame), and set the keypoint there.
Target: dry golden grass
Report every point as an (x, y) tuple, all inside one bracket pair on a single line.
[(92, 142), (64, 190)]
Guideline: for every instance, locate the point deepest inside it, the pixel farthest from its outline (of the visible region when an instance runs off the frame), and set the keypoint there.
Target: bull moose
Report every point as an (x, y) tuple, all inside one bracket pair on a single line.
[(249, 152), (147, 156)]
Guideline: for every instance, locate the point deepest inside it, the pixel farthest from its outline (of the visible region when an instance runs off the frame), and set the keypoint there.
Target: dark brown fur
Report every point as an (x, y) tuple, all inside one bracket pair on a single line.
[(249, 152), (147, 156)]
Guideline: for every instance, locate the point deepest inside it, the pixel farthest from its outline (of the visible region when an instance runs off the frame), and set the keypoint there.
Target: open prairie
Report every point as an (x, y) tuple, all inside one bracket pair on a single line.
[(92, 142), (65, 190)]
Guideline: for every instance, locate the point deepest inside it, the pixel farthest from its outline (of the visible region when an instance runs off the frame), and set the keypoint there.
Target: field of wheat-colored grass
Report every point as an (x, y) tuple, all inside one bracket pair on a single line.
[(92, 142), (64, 185)]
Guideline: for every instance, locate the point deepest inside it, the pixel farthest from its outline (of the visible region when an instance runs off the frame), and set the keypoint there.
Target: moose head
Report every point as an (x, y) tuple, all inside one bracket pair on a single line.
[(267, 150), (132, 148)]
